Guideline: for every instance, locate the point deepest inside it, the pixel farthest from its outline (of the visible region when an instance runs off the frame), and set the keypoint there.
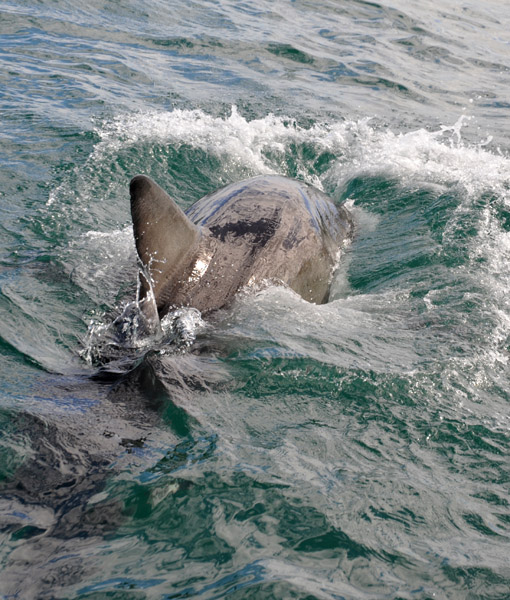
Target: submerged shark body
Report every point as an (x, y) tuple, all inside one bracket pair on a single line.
[(55, 504), (265, 228)]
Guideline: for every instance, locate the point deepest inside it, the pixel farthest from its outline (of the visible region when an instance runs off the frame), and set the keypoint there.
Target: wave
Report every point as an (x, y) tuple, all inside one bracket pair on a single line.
[(432, 244), (436, 157)]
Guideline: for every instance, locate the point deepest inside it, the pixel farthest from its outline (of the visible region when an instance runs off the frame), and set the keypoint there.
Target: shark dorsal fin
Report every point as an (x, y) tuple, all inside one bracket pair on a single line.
[(165, 238)]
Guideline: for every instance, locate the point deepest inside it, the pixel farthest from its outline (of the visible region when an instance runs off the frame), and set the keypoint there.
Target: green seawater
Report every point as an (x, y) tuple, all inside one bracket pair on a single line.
[(353, 450)]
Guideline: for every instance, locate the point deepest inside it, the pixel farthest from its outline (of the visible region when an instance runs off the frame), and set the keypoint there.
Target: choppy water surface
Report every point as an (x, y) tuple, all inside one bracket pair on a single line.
[(356, 450)]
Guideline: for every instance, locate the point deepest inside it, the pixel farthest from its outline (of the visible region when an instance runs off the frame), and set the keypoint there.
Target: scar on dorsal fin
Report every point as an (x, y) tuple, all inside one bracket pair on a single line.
[(165, 238)]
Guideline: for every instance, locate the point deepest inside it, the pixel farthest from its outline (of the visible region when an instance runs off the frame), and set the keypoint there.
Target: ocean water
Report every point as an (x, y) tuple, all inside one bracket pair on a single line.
[(279, 449)]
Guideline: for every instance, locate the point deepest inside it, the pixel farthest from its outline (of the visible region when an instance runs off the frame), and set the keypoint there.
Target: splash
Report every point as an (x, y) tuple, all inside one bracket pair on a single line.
[(247, 143), (328, 155), (436, 157), (129, 336)]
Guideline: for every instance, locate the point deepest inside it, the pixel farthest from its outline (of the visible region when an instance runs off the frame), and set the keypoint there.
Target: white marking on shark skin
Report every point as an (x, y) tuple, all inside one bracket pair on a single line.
[(200, 267)]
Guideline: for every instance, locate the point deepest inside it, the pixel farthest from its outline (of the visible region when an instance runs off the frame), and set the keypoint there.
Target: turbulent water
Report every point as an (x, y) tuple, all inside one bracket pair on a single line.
[(278, 449)]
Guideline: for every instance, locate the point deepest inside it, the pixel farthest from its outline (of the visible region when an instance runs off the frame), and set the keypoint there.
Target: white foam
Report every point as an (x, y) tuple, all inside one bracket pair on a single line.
[(421, 157), (437, 157), (233, 136)]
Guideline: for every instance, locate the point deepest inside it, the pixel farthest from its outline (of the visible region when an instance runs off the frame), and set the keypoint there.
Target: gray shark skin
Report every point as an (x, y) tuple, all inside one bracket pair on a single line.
[(264, 228)]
